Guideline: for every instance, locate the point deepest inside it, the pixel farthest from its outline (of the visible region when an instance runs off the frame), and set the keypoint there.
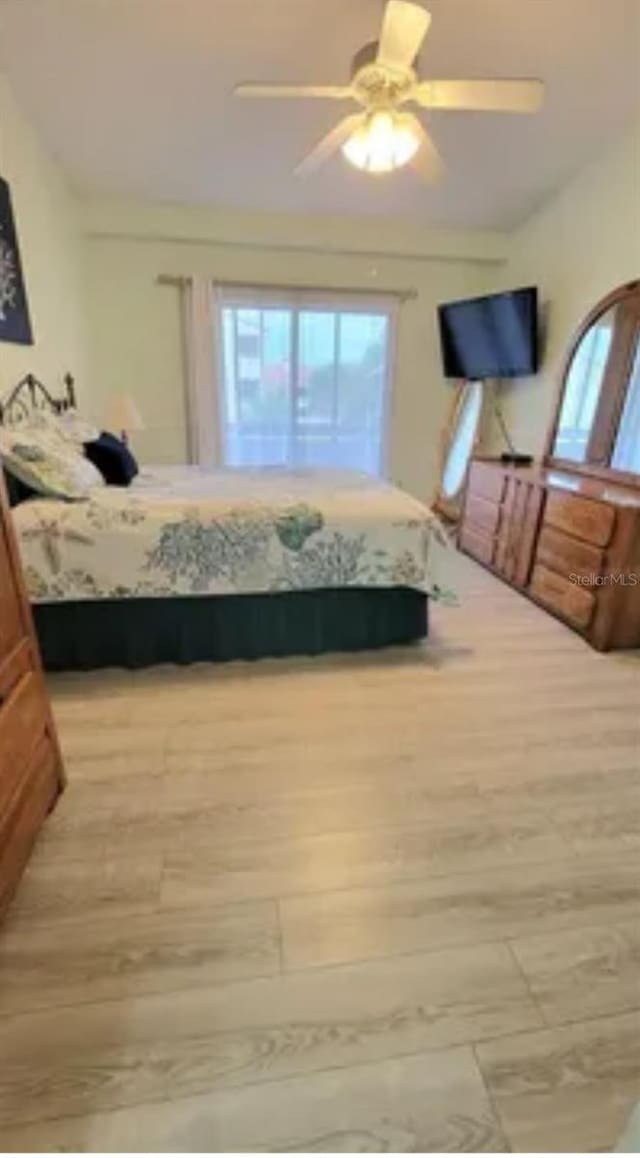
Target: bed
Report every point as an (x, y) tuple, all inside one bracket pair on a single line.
[(190, 564)]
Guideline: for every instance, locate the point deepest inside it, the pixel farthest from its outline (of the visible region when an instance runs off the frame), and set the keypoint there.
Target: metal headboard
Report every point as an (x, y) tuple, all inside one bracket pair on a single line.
[(31, 394)]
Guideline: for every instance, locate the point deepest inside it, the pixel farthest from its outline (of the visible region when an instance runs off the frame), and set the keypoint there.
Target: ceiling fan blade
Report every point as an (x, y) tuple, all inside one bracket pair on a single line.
[(329, 145), (404, 27), (427, 161), (500, 96), (322, 91)]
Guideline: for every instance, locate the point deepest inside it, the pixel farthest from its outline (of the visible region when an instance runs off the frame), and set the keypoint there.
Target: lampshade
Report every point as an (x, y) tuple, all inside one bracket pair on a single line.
[(121, 413), (387, 140)]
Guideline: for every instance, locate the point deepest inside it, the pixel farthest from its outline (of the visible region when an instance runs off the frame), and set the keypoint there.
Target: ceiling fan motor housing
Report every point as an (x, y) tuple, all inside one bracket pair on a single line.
[(376, 84)]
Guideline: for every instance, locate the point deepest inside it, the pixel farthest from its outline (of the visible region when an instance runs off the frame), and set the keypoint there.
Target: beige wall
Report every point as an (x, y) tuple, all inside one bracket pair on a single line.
[(584, 241), (135, 341), (581, 244), (135, 327), (91, 270), (50, 249)]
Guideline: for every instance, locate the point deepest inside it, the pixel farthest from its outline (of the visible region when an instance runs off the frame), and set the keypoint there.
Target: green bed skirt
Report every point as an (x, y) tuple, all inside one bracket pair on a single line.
[(137, 633)]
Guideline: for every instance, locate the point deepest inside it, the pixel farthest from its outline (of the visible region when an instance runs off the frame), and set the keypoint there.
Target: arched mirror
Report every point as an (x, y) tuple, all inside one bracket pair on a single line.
[(459, 441), (597, 425)]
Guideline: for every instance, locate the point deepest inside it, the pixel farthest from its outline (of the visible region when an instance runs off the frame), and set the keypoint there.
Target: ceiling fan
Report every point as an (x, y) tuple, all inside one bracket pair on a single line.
[(383, 136)]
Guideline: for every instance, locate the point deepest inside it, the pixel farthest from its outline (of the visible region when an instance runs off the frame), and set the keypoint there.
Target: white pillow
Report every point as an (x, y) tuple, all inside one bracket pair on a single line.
[(77, 429), (68, 426), (48, 465)]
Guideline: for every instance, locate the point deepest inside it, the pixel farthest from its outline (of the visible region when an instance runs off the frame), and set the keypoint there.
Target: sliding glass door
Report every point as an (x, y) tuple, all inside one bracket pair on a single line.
[(304, 382)]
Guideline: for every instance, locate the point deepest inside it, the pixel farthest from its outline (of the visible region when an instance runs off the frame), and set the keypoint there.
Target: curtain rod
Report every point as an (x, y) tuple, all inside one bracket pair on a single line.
[(373, 291)]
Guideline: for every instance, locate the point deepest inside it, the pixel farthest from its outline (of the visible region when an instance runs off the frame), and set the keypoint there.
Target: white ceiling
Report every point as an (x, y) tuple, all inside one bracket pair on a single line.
[(134, 98)]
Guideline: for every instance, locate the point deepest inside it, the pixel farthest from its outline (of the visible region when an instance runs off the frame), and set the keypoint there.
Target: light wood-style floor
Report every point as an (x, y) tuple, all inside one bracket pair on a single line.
[(387, 902)]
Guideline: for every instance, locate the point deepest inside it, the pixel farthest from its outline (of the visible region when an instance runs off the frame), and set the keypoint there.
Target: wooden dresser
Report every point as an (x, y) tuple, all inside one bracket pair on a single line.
[(31, 775), (569, 542)]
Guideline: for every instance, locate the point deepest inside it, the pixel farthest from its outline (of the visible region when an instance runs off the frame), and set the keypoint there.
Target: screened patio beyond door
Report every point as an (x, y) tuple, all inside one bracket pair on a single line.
[(304, 383)]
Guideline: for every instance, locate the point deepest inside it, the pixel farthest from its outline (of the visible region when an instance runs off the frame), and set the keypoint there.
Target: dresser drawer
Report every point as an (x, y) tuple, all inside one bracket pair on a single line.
[(13, 666), (480, 546), (487, 481), (574, 603), (583, 518), (20, 826), (482, 515), (22, 723), (12, 627), (566, 555)]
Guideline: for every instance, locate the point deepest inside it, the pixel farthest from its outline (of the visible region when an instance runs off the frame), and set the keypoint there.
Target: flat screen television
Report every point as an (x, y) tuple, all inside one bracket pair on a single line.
[(490, 337)]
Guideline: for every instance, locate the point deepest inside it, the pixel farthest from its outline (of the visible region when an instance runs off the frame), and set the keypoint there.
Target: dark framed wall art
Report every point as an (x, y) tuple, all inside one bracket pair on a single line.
[(15, 323)]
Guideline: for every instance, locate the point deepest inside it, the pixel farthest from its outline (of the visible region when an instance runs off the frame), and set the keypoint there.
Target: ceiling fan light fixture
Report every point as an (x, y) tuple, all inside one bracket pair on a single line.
[(387, 140)]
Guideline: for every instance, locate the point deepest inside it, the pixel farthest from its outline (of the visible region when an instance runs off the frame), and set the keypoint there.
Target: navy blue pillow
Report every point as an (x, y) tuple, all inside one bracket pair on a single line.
[(113, 459)]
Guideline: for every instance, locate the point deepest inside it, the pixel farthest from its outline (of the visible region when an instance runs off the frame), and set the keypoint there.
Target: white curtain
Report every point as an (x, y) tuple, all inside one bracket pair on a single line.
[(202, 359)]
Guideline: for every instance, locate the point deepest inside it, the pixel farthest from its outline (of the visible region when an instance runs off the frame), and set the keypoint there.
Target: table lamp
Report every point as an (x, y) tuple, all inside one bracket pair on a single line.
[(121, 413)]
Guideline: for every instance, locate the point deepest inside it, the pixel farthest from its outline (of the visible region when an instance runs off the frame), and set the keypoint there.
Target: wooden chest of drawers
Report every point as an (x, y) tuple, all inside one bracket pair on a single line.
[(30, 765), (570, 543), (500, 520)]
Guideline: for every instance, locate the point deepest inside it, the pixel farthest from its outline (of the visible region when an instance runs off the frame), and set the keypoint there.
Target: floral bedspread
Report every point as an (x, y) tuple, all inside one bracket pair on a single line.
[(190, 531)]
